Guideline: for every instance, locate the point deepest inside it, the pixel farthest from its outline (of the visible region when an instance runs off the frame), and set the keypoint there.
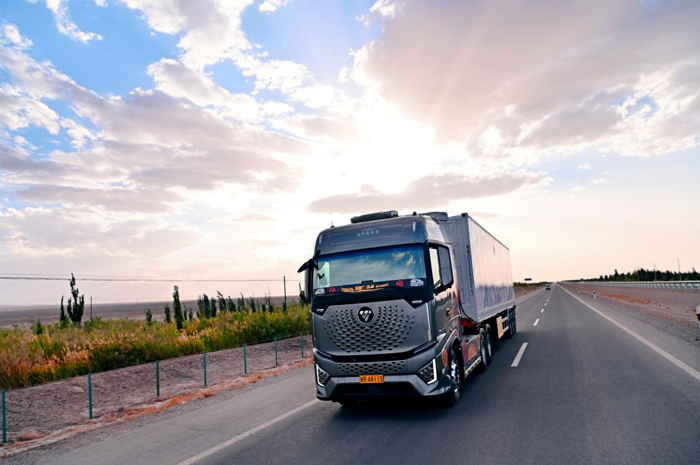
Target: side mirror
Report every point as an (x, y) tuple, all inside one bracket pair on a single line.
[(305, 293), (446, 277)]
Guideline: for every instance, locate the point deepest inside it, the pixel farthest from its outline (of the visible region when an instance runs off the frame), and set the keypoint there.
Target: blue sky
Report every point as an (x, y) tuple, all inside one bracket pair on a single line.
[(151, 138)]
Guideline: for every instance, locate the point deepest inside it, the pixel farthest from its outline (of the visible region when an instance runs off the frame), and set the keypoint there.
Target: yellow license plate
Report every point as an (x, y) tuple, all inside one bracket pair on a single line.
[(371, 379)]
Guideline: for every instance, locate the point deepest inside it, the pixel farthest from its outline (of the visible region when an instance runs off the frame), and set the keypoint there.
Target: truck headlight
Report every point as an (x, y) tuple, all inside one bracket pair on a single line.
[(322, 377), (428, 373)]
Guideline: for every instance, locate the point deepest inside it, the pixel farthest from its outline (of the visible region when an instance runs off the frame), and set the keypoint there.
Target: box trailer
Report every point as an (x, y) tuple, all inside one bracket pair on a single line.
[(406, 305)]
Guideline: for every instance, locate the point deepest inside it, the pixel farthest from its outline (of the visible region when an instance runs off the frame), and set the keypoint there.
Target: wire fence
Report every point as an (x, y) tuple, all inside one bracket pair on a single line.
[(34, 412), (645, 284)]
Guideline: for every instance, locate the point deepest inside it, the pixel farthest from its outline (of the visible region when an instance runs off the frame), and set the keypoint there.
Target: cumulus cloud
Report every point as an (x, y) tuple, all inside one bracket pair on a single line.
[(59, 10), (427, 192), (269, 6), (617, 74), (211, 28), (150, 145), (585, 166)]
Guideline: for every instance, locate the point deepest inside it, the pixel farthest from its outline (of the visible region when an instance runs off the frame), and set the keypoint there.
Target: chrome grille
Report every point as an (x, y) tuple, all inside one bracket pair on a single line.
[(372, 368), (389, 329)]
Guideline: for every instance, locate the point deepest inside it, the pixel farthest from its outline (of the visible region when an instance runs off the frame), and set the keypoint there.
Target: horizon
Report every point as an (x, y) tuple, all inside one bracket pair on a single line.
[(137, 140)]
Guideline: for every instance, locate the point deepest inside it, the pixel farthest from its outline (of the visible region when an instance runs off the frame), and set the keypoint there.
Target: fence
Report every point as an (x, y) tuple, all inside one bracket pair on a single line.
[(648, 284), (107, 394)]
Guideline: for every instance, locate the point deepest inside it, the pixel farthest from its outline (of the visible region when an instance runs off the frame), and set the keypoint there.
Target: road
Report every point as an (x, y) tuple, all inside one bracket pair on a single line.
[(585, 390)]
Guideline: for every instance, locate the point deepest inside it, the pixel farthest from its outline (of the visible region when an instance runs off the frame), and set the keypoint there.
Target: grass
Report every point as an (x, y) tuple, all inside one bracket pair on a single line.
[(27, 359)]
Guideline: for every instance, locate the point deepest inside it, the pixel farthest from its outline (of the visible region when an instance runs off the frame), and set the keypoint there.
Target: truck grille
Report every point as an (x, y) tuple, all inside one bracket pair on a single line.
[(389, 329), (372, 368)]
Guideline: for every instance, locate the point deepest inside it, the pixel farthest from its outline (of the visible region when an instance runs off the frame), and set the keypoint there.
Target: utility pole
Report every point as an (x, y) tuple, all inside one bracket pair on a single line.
[(284, 280), (91, 307), (654, 272), (679, 269)]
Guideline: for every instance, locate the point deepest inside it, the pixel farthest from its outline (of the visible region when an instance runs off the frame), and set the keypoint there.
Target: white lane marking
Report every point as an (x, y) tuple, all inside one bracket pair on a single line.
[(542, 311), (248, 433), (687, 368), (516, 360), (545, 304), (536, 321)]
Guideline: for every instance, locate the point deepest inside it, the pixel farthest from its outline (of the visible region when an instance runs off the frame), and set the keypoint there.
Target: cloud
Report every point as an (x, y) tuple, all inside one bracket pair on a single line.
[(599, 181), (176, 79), (427, 192), (211, 28), (585, 166), (59, 10), (269, 6), (622, 74), (577, 189), (149, 149)]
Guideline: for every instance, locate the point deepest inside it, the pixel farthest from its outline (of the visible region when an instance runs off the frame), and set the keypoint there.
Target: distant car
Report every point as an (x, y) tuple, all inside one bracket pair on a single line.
[(548, 287)]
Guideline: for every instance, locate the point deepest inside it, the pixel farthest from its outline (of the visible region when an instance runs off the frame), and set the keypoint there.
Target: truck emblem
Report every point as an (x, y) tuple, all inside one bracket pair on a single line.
[(365, 314)]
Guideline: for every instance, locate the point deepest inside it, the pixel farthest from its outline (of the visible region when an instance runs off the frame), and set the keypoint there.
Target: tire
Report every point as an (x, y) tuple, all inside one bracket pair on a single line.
[(482, 346), (511, 325), (457, 376), (489, 347)]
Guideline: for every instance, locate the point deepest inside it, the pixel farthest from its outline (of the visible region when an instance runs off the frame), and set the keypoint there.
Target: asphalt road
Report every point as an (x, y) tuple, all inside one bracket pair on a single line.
[(584, 391)]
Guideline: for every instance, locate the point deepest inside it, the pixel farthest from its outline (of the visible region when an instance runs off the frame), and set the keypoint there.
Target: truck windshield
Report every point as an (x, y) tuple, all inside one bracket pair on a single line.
[(370, 266)]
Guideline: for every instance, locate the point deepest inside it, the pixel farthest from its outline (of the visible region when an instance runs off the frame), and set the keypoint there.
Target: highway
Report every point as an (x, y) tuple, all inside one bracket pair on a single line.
[(589, 387)]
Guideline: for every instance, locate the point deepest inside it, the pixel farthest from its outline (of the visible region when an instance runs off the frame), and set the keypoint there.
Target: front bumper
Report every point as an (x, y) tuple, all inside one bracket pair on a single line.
[(406, 383)]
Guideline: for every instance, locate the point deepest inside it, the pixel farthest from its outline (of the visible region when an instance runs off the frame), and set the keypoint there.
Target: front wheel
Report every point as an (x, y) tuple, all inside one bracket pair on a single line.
[(457, 377)]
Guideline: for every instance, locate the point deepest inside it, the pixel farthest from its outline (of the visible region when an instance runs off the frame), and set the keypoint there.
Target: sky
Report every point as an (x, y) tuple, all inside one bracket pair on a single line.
[(215, 139)]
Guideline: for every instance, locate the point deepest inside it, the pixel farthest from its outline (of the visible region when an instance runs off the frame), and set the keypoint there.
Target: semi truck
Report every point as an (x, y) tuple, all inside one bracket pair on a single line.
[(406, 305)]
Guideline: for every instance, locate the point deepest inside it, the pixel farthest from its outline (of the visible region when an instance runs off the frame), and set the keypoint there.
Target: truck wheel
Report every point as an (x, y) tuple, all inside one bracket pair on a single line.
[(457, 376), (489, 347), (515, 323), (484, 359), (511, 325)]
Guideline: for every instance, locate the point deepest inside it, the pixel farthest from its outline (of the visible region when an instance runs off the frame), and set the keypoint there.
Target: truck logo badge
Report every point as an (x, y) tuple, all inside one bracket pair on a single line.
[(416, 282), (365, 314)]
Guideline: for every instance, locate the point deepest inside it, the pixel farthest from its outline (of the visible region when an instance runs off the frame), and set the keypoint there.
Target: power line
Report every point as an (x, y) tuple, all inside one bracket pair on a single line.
[(27, 277)]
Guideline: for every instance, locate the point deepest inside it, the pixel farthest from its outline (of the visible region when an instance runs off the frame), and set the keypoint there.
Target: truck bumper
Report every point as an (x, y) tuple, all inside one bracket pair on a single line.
[(404, 384)]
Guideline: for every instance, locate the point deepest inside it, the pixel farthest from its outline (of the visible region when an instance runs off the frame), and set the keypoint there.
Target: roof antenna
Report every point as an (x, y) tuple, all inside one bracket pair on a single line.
[(331, 215)]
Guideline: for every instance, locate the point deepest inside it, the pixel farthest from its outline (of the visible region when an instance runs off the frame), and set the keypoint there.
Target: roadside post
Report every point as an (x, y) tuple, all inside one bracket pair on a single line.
[(276, 350), (90, 395), (4, 419), (245, 360), (157, 378), (205, 368)]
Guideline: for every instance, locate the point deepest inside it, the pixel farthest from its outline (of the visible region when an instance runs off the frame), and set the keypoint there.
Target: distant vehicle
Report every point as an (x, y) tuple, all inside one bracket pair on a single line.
[(548, 287), (406, 305)]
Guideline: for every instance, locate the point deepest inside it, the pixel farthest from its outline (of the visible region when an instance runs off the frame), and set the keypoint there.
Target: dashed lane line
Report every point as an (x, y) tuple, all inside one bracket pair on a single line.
[(516, 360), (536, 321)]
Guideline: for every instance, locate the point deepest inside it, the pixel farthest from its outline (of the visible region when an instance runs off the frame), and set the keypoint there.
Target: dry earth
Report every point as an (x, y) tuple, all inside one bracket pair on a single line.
[(41, 414)]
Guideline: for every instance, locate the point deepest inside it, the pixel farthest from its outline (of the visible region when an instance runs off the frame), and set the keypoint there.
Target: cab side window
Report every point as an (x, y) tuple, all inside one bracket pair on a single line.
[(435, 266)]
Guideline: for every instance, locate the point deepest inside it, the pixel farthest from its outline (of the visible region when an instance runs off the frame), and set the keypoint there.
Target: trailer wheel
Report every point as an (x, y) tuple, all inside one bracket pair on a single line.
[(457, 376), (484, 358), (511, 324)]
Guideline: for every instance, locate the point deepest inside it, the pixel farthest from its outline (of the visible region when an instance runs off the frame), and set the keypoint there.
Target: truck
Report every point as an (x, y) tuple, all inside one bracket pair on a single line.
[(406, 305)]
